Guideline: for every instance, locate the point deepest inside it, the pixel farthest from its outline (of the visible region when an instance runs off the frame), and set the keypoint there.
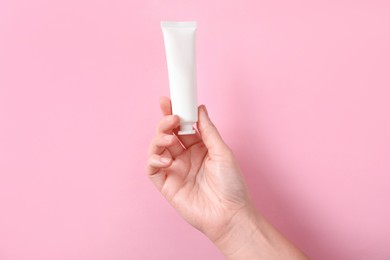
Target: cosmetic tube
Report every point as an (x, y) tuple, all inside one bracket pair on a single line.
[(179, 41)]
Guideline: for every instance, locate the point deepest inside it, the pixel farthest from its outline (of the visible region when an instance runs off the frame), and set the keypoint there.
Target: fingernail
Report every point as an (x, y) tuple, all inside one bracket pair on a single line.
[(165, 160), (205, 110)]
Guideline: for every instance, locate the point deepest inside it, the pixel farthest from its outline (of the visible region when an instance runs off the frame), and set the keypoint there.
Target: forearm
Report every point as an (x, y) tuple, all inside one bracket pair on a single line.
[(250, 236)]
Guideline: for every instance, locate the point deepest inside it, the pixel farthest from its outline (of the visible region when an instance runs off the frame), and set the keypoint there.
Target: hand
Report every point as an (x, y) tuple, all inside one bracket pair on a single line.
[(200, 177), (197, 174)]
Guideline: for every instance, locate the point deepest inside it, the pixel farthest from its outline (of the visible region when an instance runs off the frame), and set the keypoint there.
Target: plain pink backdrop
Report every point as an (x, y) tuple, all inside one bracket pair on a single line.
[(300, 90)]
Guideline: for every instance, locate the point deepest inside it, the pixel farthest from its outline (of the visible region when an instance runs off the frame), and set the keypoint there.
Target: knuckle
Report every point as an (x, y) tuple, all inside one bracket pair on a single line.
[(155, 143), (163, 123)]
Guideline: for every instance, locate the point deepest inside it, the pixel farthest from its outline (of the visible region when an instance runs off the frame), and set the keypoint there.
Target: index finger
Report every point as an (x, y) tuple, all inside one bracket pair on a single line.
[(165, 106)]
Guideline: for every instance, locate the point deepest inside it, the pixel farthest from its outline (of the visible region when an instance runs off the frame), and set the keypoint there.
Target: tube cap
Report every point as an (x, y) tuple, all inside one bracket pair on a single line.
[(186, 129)]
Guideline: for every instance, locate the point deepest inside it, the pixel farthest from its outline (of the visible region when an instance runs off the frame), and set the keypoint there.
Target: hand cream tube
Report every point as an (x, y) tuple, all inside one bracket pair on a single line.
[(179, 40)]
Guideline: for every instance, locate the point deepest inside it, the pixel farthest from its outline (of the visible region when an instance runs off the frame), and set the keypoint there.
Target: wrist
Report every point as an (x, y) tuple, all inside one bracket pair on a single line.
[(250, 236), (243, 235)]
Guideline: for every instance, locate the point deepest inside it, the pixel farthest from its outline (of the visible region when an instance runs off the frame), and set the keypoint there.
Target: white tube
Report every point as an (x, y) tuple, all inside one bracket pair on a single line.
[(179, 40)]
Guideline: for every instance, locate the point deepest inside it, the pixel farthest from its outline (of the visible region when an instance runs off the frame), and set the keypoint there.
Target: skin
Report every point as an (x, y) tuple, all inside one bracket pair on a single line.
[(200, 177)]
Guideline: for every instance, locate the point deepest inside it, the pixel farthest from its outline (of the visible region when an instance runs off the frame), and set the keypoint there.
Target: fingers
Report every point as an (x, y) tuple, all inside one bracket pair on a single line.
[(157, 162), (186, 140), (167, 124), (164, 141), (155, 169), (209, 133)]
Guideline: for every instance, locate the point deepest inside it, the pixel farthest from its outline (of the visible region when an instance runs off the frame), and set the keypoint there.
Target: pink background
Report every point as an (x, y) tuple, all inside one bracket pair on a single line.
[(299, 89)]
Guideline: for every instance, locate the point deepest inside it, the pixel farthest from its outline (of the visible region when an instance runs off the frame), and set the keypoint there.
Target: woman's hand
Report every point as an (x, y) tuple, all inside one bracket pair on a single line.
[(200, 177), (197, 174)]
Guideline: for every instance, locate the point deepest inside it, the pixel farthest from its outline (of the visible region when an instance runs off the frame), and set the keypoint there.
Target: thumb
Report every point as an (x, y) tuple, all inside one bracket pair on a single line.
[(209, 133)]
